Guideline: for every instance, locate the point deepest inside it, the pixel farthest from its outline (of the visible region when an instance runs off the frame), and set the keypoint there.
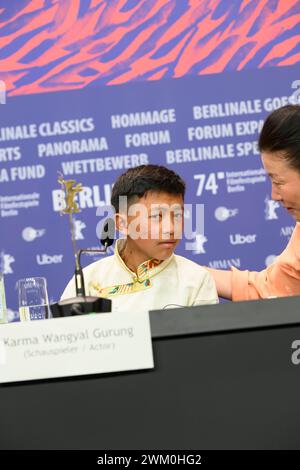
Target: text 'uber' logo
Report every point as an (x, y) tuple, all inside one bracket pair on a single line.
[(238, 239), (48, 259)]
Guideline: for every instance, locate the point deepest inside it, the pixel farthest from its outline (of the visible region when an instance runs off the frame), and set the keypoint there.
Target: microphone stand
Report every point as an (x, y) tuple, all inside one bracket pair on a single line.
[(79, 279), (81, 304)]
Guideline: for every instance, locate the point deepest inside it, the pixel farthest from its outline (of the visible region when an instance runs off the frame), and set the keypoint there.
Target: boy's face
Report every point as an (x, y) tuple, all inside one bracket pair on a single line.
[(154, 224)]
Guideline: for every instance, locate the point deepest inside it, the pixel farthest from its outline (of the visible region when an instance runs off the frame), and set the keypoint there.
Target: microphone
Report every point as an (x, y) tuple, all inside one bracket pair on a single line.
[(108, 233), (82, 304), (107, 239)]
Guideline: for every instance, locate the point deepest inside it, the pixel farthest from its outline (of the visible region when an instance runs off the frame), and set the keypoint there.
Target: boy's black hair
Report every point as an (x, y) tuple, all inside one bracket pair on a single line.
[(281, 133), (136, 182)]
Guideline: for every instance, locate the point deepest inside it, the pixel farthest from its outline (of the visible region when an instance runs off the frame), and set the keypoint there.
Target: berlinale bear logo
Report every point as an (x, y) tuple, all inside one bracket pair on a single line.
[(5, 263), (270, 209), (78, 227)]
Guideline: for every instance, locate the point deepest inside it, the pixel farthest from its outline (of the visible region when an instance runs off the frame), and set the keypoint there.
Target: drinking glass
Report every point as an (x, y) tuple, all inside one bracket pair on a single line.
[(33, 299)]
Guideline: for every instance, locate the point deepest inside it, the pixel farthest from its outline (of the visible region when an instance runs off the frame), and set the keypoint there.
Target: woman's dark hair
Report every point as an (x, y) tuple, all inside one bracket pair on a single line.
[(281, 133), (136, 182)]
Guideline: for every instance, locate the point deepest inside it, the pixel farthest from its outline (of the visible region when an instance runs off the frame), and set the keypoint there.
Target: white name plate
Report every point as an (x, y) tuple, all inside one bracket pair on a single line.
[(64, 347)]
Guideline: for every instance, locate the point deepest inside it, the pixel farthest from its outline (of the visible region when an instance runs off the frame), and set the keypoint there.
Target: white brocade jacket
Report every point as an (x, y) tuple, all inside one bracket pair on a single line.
[(174, 282)]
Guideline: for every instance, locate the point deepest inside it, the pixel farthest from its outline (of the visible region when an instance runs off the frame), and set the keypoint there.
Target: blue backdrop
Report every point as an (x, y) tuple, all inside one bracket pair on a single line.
[(204, 127)]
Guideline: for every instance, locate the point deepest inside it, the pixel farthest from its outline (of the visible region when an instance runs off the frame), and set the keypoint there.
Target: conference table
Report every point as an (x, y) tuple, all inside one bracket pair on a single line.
[(226, 377)]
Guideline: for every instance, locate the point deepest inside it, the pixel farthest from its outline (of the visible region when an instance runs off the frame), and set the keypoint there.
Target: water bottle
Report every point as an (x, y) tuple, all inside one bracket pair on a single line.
[(3, 310)]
